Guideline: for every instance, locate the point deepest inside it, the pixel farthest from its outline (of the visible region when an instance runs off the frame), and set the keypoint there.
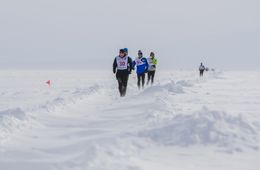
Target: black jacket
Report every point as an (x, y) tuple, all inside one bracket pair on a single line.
[(128, 70)]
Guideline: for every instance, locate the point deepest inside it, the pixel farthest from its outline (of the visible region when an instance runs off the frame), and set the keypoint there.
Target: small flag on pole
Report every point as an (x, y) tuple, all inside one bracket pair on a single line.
[(48, 82)]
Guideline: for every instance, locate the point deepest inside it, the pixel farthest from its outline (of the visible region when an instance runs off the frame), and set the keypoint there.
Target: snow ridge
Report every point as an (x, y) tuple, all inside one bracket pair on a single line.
[(206, 127), (11, 120)]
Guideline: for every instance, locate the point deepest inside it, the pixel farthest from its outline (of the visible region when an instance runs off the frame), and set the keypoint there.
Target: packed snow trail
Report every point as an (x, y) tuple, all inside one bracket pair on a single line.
[(182, 122)]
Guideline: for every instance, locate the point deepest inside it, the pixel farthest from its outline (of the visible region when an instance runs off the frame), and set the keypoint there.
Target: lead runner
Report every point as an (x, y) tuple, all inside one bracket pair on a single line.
[(122, 67)]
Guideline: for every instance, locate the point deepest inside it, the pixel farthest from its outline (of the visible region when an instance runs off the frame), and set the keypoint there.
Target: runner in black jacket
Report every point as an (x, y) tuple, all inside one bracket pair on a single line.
[(202, 68), (122, 67)]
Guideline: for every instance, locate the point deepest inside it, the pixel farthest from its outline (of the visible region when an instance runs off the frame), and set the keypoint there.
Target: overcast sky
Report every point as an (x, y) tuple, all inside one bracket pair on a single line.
[(86, 34)]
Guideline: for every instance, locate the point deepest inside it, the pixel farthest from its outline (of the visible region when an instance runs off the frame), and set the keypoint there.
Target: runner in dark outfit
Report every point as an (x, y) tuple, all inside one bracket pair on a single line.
[(122, 67), (202, 69)]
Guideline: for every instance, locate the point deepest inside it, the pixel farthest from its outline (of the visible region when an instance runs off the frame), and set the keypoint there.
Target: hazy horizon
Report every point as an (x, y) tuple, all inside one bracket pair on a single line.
[(88, 34)]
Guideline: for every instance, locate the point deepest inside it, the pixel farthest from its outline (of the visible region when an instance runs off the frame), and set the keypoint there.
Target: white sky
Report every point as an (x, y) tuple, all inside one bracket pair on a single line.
[(86, 34)]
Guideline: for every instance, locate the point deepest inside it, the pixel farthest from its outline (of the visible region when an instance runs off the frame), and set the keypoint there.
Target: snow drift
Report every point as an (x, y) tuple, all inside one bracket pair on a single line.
[(11, 120), (207, 127), (81, 123)]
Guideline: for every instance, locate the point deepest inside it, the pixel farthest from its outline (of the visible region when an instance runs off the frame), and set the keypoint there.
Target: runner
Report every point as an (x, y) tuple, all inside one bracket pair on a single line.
[(201, 69), (152, 61), (141, 68), (122, 67)]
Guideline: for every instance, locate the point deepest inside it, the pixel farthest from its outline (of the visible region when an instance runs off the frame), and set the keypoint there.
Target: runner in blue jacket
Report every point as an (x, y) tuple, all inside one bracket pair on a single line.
[(141, 68)]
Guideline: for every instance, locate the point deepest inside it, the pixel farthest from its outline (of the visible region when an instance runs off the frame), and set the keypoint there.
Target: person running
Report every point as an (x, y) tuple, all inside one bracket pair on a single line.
[(122, 67), (141, 68), (152, 61), (201, 69)]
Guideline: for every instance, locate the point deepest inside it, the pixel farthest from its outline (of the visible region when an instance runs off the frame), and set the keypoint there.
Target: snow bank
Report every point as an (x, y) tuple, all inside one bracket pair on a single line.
[(174, 87), (12, 113), (205, 127), (185, 83), (11, 120), (68, 98), (114, 154), (170, 87)]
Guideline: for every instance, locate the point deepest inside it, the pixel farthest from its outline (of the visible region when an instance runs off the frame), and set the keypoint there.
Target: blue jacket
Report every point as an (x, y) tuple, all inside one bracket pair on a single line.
[(141, 65)]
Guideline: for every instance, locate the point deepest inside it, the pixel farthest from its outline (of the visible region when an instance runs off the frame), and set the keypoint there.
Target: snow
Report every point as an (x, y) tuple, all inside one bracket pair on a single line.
[(205, 127), (183, 122)]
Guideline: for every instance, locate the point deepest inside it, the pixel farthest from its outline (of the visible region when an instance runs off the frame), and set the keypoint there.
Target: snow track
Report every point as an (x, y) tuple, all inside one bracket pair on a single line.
[(87, 126)]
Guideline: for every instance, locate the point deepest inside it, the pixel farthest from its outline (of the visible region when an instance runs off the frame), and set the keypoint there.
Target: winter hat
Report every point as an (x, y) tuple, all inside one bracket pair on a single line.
[(126, 50), (121, 51)]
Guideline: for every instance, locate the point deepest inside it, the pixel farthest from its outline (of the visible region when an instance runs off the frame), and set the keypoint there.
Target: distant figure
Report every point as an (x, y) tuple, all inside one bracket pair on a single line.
[(152, 61), (201, 69), (141, 68), (122, 67)]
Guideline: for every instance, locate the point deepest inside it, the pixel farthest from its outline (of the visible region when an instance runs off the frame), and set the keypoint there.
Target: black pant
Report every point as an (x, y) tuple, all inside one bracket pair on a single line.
[(122, 79), (151, 76), (201, 73), (139, 77)]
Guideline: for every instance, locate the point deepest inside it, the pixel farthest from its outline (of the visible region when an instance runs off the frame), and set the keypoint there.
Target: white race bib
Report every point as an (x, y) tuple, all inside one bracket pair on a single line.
[(150, 61), (122, 63), (139, 62)]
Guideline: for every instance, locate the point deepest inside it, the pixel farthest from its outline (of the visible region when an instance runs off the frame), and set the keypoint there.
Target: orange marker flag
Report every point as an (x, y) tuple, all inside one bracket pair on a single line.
[(48, 82)]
